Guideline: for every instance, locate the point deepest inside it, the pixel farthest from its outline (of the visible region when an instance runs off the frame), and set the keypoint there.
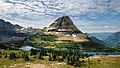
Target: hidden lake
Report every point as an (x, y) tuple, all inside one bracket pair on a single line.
[(27, 48)]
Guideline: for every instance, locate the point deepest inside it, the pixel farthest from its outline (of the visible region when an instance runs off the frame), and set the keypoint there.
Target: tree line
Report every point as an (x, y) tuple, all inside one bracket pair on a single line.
[(70, 58)]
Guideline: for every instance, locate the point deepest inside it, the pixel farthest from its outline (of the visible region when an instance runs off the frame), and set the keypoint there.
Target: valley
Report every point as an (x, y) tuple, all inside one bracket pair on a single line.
[(59, 33), (61, 45)]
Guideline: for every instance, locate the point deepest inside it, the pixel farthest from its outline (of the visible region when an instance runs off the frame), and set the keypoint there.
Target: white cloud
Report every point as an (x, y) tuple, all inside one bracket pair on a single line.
[(65, 7), (45, 11)]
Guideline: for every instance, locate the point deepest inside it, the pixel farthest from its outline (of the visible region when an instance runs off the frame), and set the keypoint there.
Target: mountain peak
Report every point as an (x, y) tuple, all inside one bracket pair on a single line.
[(63, 24), (1, 20), (8, 32), (65, 29)]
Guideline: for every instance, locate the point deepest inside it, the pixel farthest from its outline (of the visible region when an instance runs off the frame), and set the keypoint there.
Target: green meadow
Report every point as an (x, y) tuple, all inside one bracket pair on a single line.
[(43, 61)]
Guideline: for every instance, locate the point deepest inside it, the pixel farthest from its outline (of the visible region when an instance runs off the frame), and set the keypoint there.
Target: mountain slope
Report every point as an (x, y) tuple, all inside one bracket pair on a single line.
[(118, 46), (102, 35), (8, 32), (8, 29), (93, 38), (113, 39)]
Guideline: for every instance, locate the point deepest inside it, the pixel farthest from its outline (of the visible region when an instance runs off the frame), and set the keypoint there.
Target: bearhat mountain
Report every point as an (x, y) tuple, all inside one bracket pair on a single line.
[(63, 24), (65, 29)]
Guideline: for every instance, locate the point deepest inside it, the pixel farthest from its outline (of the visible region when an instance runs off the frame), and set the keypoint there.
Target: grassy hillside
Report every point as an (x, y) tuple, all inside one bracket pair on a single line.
[(48, 41)]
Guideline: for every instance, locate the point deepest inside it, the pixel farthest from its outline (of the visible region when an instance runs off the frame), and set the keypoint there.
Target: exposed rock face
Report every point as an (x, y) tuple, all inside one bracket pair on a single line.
[(64, 28), (63, 24)]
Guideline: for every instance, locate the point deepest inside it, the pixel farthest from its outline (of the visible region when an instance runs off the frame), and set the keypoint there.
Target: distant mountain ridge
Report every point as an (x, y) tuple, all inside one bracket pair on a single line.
[(113, 39), (93, 38), (8, 32), (6, 28), (102, 35), (7, 25)]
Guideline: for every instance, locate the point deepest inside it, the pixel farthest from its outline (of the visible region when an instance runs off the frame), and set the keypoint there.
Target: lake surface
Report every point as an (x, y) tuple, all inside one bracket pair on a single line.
[(83, 52), (27, 48)]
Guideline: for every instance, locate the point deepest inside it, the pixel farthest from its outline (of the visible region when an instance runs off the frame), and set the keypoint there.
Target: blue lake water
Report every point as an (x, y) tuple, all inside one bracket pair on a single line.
[(83, 52), (27, 48)]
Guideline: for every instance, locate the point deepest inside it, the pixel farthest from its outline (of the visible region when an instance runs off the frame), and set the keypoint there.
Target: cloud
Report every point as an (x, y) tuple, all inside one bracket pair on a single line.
[(91, 8), (87, 14)]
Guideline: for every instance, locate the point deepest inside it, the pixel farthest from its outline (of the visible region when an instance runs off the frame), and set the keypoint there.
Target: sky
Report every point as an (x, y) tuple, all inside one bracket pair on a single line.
[(87, 15)]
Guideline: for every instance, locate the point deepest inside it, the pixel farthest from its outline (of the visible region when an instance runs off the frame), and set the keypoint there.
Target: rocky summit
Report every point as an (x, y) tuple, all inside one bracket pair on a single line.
[(65, 29)]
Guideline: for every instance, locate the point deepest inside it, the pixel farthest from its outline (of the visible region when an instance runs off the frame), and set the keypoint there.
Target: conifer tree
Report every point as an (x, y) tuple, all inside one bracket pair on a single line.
[(50, 58), (6, 55), (12, 56), (33, 52), (40, 56), (26, 58)]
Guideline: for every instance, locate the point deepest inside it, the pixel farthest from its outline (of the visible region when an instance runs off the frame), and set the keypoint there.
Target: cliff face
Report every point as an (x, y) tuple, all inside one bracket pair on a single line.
[(65, 29)]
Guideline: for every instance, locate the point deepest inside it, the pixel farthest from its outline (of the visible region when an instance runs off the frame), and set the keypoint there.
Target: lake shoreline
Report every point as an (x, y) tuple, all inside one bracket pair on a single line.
[(72, 51)]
